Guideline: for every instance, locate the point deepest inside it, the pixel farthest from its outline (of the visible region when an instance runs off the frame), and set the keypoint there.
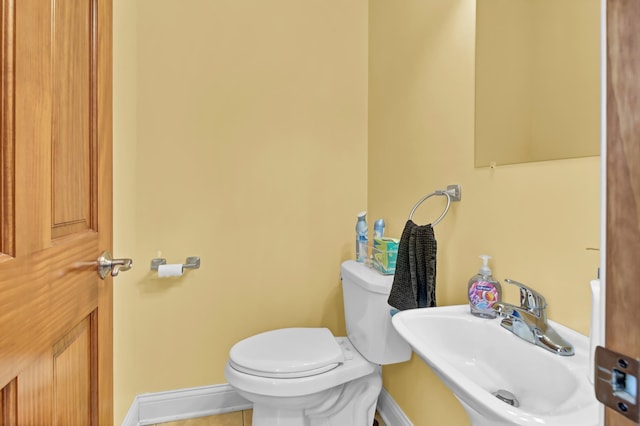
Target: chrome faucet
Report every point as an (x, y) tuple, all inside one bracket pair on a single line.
[(529, 321)]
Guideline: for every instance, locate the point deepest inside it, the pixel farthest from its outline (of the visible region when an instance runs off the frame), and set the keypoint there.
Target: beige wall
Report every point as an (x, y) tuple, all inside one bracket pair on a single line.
[(241, 127), (537, 78), (242, 136), (535, 219)]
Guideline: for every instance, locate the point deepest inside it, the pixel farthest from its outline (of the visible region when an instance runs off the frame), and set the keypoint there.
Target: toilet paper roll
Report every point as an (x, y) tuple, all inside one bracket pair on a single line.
[(170, 270)]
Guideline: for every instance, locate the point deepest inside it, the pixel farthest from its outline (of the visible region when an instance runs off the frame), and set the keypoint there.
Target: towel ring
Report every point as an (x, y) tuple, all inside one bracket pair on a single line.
[(453, 193)]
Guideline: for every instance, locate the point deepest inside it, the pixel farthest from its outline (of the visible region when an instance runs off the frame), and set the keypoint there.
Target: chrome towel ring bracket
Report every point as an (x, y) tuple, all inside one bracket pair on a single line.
[(453, 193)]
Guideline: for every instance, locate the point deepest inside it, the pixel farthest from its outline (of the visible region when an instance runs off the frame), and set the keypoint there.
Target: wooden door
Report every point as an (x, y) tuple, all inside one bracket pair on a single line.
[(55, 213), (623, 184)]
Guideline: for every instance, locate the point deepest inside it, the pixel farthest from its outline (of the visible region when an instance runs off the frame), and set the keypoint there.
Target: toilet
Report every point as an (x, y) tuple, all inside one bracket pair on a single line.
[(307, 376)]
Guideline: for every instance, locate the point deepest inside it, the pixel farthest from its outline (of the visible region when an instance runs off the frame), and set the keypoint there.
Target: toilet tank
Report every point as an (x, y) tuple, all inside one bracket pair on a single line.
[(367, 314)]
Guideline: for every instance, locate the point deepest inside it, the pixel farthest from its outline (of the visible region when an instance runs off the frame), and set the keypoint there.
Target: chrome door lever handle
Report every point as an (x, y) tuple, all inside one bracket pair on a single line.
[(107, 264)]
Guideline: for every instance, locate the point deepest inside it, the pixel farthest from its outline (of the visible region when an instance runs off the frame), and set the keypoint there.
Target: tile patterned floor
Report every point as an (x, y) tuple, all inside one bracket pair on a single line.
[(237, 418)]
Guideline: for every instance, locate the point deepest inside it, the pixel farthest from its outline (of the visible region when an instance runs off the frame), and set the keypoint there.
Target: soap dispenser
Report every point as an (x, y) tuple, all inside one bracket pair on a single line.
[(484, 291)]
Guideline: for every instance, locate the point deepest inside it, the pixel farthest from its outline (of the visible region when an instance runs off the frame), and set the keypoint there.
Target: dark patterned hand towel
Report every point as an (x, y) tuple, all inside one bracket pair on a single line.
[(414, 282)]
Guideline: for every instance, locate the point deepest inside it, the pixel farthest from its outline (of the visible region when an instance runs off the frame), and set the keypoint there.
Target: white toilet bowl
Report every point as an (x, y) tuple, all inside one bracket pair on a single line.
[(308, 377), (344, 394)]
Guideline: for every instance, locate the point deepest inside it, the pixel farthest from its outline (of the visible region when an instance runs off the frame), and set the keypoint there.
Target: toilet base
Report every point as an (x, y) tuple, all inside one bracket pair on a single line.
[(352, 403)]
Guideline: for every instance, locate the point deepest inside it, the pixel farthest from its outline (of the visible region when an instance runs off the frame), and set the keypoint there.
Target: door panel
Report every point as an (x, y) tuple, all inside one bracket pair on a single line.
[(623, 184), (72, 113), (73, 359), (33, 98), (36, 406), (55, 312), (8, 404), (7, 115)]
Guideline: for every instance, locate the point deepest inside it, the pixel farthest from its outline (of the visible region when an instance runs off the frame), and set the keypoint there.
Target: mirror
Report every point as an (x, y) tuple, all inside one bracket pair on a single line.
[(537, 80)]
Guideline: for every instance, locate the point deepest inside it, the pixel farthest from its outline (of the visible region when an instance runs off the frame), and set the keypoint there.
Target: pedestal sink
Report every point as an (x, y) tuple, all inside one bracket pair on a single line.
[(477, 359)]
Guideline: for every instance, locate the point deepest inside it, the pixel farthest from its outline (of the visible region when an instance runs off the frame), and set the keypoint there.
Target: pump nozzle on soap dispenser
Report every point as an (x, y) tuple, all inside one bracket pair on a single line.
[(484, 269), (484, 291)]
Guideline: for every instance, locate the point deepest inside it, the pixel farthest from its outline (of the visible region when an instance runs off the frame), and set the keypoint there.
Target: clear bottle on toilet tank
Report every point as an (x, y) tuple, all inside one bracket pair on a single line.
[(362, 240), (484, 291)]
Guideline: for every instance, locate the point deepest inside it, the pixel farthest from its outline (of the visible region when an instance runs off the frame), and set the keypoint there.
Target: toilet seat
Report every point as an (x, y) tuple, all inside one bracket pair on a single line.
[(287, 353), (354, 367)]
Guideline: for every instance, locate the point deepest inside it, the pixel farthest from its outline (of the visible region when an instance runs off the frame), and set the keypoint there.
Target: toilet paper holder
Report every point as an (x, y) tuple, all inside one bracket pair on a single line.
[(193, 262)]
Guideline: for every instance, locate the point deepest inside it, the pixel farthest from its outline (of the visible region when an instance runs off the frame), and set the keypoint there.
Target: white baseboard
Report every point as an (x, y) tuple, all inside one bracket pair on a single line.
[(181, 404), (391, 412)]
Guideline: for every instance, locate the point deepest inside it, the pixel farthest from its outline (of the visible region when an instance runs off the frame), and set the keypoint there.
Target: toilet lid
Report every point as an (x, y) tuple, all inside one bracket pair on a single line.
[(287, 353)]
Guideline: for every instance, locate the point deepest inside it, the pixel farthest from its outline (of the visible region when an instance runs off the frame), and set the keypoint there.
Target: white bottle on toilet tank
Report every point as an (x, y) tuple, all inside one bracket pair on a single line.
[(362, 240)]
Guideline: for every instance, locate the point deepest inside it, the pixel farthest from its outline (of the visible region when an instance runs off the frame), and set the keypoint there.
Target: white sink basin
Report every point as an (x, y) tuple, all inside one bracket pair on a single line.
[(476, 357)]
